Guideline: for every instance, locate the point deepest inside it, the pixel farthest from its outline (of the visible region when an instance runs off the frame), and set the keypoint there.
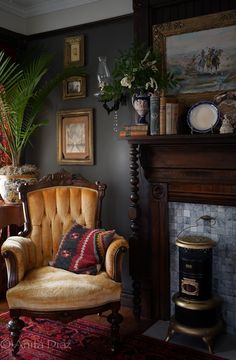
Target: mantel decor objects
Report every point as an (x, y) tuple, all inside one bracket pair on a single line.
[(202, 51), (226, 103), (74, 51), (75, 137), (74, 87), (136, 74)]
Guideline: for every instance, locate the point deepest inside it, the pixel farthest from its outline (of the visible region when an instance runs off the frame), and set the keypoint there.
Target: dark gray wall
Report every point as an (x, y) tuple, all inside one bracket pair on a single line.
[(111, 154)]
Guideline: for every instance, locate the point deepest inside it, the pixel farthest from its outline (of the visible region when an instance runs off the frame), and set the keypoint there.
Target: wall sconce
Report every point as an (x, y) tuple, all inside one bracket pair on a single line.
[(104, 78), (103, 74)]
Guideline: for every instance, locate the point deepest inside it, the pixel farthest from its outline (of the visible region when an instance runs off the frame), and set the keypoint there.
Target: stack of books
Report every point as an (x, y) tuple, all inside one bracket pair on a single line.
[(170, 113), (134, 130)]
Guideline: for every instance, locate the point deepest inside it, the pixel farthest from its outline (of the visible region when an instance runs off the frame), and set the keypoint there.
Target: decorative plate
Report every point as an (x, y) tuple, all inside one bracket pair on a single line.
[(203, 116)]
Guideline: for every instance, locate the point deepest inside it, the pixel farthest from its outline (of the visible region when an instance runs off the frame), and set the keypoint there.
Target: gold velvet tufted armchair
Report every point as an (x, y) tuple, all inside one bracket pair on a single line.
[(35, 288)]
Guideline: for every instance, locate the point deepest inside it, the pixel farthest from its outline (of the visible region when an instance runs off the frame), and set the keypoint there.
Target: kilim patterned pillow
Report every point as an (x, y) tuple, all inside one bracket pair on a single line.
[(83, 250)]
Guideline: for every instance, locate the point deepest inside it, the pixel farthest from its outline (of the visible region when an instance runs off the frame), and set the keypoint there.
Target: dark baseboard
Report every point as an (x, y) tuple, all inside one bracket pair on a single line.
[(127, 299)]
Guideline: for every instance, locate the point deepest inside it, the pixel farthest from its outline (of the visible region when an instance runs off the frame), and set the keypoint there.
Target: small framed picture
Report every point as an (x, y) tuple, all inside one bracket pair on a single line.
[(74, 50), (74, 87), (75, 137)]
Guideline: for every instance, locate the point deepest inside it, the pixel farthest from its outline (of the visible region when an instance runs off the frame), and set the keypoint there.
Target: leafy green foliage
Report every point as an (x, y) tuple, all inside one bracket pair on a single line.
[(22, 96), (137, 70)]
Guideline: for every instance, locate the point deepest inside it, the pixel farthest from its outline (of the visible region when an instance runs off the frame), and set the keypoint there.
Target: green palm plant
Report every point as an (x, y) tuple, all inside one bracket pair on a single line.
[(22, 95)]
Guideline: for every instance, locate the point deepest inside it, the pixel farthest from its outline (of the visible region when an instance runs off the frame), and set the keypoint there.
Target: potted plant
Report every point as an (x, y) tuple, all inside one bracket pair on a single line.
[(138, 72), (22, 94)]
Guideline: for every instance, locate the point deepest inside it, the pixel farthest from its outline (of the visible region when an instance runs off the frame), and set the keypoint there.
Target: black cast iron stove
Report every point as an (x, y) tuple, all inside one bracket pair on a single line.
[(197, 311)]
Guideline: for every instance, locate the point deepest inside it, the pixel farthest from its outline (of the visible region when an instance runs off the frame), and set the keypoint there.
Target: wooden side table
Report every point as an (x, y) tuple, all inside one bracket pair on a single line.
[(11, 219)]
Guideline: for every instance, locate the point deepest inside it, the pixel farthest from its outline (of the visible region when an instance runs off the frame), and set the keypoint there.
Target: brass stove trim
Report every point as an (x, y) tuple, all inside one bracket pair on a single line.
[(195, 304), (207, 334), (195, 242), (192, 282)]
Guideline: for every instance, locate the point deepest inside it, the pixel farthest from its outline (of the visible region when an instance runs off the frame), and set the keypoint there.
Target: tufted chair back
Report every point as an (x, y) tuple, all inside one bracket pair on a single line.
[(51, 208), (52, 212)]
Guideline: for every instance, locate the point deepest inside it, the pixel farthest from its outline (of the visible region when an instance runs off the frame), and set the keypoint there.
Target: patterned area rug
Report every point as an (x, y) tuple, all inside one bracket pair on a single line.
[(85, 340)]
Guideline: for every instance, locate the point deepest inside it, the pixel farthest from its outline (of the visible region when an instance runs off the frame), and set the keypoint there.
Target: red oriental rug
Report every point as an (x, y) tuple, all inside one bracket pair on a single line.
[(85, 340)]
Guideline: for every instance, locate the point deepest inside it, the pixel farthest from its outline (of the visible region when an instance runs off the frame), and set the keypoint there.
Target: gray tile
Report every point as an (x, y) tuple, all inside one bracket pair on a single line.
[(223, 231), (224, 344)]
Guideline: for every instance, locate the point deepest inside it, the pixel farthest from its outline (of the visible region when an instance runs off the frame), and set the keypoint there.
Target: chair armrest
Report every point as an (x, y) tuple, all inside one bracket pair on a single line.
[(20, 255), (114, 257)]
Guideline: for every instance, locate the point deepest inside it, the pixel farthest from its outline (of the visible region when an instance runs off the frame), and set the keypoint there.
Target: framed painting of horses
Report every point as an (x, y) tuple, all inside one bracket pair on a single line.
[(201, 51)]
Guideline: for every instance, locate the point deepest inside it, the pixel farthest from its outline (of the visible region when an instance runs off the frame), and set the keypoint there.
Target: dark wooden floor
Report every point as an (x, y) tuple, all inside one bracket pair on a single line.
[(3, 306), (129, 325)]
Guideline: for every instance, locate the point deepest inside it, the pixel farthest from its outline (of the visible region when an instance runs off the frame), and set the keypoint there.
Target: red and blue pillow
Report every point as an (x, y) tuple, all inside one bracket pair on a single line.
[(83, 250)]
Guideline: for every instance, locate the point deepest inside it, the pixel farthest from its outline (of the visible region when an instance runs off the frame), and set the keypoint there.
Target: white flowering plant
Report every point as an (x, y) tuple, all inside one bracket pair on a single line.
[(136, 71)]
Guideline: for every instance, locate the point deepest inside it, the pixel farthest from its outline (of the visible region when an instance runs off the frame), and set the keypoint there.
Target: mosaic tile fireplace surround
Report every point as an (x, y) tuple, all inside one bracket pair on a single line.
[(181, 216), (188, 177)]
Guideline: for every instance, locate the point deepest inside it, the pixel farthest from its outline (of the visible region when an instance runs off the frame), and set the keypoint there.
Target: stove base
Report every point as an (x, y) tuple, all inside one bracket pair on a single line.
[(207, 334), (197, 314), (196, 318)]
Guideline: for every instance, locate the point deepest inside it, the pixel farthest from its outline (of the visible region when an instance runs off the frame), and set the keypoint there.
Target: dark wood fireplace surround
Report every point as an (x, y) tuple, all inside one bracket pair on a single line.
[(186, 168), (183, 168)]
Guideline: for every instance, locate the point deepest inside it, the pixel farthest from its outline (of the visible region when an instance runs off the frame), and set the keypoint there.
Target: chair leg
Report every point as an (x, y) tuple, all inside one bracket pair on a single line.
[(115, 318), (15, 325)]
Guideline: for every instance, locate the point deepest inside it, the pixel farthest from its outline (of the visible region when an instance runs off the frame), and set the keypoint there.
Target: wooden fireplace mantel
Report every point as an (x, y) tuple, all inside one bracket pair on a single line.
[(199, 168)]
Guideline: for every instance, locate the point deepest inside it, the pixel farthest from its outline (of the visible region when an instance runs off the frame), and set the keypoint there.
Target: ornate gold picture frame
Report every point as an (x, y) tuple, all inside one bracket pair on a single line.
[(74, 87), (74, 50), (202, 53), (75, 137)]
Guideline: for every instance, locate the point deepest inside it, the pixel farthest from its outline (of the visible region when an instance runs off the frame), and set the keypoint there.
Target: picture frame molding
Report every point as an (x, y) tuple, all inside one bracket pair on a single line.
[(75, 43), (75, 116), (67, 95)]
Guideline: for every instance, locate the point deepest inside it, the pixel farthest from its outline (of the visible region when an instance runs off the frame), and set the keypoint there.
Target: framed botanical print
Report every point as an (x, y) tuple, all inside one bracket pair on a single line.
[(75, 137), (74, 50)]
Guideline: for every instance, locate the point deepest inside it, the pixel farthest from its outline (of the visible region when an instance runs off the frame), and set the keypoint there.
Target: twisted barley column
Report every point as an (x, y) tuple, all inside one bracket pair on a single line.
[(134, 212)]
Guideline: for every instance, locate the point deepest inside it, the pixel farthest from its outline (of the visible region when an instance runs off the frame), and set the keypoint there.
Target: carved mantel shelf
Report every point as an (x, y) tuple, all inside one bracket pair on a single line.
[(198, 168)]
